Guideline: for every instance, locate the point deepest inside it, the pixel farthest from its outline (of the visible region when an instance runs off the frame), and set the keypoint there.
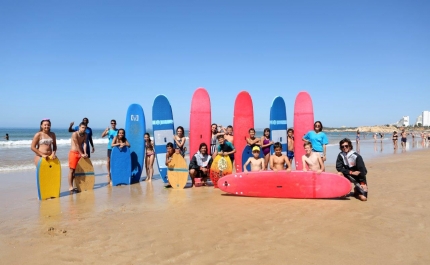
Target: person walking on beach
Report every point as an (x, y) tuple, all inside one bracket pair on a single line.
[(180, 140), (44, 143), (318, 139), (357, 138), (200, 165), (6, 137), (149, 157), (78, 144), (88, 132), (312, 160), (290, 146), (265, 147), (381, 135), (110, 133), (404, 138), (351, 165), (278, 161), (374, 137), (257, 163), (394, 138)]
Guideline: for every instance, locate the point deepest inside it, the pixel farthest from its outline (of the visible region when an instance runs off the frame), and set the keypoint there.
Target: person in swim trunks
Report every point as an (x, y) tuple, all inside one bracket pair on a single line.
[(77, 150), (290, 146), (110, 133), (44, 142), (266, 144), (404, 139)]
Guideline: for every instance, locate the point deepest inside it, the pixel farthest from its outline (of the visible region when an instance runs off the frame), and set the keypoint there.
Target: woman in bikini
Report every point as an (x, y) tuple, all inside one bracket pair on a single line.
[(395, 138), (44, 143), (180, 140), (149, 158), (265, 139)]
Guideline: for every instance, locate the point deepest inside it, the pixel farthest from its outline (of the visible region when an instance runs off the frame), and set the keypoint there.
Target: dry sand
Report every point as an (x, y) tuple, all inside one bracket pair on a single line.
[(147, 224)]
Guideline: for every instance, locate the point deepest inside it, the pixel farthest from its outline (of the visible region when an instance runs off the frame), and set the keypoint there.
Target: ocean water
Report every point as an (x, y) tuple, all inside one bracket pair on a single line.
[(16, 155)]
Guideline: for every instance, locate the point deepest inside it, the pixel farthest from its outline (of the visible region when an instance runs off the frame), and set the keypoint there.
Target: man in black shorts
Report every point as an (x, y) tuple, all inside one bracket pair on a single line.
[(200, 164)]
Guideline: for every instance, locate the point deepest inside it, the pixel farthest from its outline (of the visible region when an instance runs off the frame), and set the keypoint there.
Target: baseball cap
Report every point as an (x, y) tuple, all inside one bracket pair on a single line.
[(256, 148)]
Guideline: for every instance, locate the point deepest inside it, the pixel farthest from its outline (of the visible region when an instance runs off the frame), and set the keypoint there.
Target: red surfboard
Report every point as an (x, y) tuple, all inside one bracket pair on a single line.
[(243, 121), (200, 120), (282, 184), (303, 123)]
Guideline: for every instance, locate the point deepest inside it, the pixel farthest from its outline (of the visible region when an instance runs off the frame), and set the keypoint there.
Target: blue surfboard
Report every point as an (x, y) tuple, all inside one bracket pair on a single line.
[(120, 165), (247, 153), (278, 124), (134, 131), (163, 129)]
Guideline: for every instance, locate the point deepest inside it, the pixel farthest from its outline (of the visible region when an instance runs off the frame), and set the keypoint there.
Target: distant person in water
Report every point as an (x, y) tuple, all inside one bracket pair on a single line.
[(266, 143), (44, 143), (404, 138), (357, 138), (278, 161), (312, 160), (6, 137), (318, 139), (89, 133), (257, 163), (77, 150), (180, 140), (290, 151), (110, 133), (381, 135), (149, 157), (351, 165), (200, 165), (395, 138), (374, 137)]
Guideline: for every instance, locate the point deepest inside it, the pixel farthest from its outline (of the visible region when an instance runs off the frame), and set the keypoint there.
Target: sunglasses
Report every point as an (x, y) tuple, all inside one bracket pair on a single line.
[(344, 146), (112, 123), (317, 125)]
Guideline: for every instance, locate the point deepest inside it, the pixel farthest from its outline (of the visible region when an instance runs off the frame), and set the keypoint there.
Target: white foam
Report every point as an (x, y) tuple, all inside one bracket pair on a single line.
[(31, 166), (27, 143)]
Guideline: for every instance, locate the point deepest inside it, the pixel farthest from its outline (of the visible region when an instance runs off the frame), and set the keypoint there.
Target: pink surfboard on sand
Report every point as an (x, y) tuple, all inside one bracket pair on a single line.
[(200, 120), (303, 123), (243, 121), (282, 184)]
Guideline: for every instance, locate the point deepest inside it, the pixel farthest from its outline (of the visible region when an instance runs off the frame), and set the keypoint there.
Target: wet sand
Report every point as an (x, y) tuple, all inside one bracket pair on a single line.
[(147, 224)]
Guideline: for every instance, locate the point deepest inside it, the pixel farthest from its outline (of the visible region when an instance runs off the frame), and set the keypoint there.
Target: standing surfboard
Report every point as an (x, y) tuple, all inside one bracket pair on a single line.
[(135, 129), (246, 154), (243, 121), (278, 124), (200, 120), (120, 166), (177, 172), (164, 129), (84, 175), (48, 178), (303, 123)]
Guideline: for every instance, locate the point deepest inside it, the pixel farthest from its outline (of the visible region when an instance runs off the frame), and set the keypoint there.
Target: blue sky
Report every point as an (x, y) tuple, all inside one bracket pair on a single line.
[(363, 62)]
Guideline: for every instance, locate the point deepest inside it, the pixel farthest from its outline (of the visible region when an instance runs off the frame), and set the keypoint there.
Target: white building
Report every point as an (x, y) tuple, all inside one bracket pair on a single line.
[(426, 118), (419, 120), (404, 121)]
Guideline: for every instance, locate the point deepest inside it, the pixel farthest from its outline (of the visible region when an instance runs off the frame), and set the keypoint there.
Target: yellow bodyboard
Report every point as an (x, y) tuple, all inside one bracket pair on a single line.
[(177, 172), (48, 177)]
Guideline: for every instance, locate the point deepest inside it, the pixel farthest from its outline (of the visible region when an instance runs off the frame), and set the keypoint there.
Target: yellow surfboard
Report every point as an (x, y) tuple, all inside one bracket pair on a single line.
[(48, 178), (177, 172), (84, 175), (221, 166)]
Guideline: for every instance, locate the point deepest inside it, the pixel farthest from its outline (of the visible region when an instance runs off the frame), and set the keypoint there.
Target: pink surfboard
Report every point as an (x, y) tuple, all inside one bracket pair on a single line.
[(200, 120), (282, 184), (243, 121), (303, 123)]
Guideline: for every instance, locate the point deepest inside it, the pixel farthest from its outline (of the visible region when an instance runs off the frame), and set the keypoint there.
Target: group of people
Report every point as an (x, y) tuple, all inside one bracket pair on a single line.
[(349, 163)]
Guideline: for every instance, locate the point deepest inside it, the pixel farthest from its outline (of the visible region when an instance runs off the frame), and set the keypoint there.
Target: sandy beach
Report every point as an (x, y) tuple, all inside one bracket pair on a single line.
[(148, 224)]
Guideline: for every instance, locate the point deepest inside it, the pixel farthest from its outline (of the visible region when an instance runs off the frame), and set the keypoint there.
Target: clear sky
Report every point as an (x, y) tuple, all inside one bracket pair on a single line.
[(363, 62)]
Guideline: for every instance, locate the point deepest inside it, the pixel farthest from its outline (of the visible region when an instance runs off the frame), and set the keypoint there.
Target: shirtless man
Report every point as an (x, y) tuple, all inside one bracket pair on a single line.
[(290, 151), (404, 134), (78, 149), (228, 133), (257, 163), (312, 160), (278, 160)]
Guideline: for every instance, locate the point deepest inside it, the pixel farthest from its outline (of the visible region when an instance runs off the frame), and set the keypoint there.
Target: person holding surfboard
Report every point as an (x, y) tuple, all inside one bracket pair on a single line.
[(278, 161), (180, 140), (110, 133), (265, 146), (88, 132), (312, 159), (318, 139), (225, 148), (351, 165), (257, 163), (290, 151), (149, 157), (44, 142), (120, 139), (78, 149), (200, 164)]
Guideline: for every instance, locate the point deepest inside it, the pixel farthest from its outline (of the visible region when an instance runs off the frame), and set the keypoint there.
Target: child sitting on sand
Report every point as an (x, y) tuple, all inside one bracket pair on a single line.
[(257, 163), (278, 161), (312, 160)]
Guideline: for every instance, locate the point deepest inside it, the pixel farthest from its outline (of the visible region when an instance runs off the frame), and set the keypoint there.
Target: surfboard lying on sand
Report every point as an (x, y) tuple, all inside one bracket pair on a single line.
[(48, 178), (120, 166), (221, 166), (84, 175), (282, 184), (303, 123), (135, 128), (177, 171), (200, 120)]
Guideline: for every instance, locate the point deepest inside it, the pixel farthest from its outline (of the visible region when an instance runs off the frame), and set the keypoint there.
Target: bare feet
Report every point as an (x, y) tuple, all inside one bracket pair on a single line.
[(362, 198)]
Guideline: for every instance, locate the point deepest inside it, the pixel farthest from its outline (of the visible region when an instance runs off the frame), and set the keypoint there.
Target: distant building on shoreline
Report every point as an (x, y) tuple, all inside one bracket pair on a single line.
[(404, 121), (426, 118), (419, 120)]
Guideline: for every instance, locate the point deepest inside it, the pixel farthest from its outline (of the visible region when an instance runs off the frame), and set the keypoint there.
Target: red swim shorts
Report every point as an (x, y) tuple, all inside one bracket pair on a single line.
[(74, 157)]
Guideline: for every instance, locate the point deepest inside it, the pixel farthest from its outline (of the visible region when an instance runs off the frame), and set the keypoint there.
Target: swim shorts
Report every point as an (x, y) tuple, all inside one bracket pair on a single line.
[(290, 154), (109, 152), (404, 139), (74, 157)]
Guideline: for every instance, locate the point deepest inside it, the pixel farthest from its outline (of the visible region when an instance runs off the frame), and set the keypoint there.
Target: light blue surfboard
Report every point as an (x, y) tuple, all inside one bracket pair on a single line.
[(120, 165), (278, 124), (134, 131), (247, 153), (163, 129)]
